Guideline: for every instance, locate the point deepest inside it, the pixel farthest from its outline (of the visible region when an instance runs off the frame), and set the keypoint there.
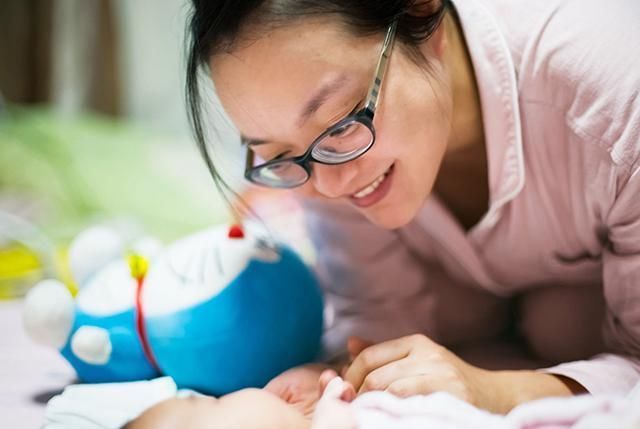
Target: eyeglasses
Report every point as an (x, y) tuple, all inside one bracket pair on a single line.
[(344, 141)]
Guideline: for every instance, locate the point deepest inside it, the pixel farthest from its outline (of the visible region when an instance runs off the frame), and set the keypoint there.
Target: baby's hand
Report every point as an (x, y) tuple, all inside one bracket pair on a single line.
[(299, 387), (333, 410)]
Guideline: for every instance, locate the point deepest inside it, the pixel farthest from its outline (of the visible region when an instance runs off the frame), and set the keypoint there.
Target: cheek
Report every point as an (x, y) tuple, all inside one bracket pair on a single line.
[(418, 133), (307, 191), (414, 120)]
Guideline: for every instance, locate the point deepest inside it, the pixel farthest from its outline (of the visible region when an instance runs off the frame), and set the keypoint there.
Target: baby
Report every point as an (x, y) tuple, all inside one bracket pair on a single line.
[(244, 409), (338, 408), (253, 409)]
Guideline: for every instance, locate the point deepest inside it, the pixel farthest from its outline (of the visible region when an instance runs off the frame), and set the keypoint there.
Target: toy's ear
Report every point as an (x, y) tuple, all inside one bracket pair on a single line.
[(92, 345), (92, 250), (48, 313)]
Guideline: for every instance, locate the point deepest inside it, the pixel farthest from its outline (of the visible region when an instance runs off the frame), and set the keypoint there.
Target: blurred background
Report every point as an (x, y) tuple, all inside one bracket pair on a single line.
[(93, 129)]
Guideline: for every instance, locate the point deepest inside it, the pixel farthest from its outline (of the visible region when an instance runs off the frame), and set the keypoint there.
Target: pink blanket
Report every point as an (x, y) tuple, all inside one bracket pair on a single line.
[(440, 410)]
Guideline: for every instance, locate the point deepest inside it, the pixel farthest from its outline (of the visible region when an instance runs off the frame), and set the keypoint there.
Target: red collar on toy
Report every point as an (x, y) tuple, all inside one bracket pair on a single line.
[(140, 327)]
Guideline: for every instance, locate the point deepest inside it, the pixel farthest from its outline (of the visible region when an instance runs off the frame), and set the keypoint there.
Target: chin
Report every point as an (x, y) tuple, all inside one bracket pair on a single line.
[(390, 218)]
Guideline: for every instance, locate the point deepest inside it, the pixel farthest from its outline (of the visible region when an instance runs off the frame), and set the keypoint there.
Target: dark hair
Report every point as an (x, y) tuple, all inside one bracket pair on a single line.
[(215, 25)]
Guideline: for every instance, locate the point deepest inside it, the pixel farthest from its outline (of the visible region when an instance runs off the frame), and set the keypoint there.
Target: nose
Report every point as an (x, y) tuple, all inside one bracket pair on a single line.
[(334, 181)]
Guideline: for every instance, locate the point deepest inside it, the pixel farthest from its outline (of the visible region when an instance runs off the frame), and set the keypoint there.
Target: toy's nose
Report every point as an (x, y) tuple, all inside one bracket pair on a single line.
[(235, 231)]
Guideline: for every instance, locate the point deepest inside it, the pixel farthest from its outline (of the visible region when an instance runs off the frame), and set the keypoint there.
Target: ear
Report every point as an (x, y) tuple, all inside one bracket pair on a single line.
[(438, 39), (425, 7)]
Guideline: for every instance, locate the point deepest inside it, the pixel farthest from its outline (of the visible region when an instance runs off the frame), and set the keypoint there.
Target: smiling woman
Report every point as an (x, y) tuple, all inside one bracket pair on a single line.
[(254, 100), (469, 171), (329, 78)]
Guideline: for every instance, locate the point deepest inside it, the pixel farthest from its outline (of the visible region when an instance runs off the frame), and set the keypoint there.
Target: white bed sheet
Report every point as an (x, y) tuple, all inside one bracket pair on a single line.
[(29, 374)]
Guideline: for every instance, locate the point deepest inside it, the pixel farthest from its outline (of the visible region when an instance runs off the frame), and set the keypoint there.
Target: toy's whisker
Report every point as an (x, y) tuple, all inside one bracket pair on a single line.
[(216, 252)]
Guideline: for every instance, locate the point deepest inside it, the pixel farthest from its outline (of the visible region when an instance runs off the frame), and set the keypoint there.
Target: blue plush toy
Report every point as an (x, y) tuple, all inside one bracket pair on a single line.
[(218, 311)]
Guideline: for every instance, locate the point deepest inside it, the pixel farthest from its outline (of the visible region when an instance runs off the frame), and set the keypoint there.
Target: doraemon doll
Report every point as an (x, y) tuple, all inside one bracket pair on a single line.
[(218, 311)]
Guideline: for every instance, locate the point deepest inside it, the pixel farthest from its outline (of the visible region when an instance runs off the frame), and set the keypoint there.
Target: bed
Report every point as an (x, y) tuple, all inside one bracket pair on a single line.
[(29, 374)]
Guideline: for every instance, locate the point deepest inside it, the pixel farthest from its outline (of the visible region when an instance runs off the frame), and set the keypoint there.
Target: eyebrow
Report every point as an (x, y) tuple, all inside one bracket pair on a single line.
[(247, 141), (311, 107), (321, 96)]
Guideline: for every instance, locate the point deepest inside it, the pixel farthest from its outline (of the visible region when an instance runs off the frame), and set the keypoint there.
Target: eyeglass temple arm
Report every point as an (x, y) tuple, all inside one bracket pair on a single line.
[(381, 69), (248, 163)]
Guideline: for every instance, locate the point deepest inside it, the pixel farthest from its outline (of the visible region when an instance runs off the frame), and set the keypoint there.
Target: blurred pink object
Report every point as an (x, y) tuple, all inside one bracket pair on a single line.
[(443, 411)]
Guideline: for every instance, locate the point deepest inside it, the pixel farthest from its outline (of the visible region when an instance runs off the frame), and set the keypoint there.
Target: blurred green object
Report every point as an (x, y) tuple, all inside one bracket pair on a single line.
[(62, 174)]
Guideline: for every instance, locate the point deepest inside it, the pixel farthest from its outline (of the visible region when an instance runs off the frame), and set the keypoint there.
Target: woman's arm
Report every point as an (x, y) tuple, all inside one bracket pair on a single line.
[(618, 370), (512, 388)]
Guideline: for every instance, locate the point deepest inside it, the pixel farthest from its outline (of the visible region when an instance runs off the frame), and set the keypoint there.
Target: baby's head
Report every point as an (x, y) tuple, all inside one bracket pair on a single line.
[(244, 409)]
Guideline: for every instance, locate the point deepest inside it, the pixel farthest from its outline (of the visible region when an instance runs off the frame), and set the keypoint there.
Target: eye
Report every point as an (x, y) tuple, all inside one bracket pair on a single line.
[(353, 111), (263, 157), (344, 131), (277, 157)]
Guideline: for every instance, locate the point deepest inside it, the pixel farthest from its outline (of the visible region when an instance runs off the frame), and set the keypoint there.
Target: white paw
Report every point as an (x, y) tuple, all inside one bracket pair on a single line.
[(92, 345), (48, 313)]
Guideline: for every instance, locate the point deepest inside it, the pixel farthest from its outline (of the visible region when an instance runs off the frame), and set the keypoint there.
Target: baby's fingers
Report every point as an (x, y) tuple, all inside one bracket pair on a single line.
[(325, 377), (334, 387)]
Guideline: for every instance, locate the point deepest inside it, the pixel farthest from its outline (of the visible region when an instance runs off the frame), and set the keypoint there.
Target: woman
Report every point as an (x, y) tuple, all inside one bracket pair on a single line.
[(470, 171)]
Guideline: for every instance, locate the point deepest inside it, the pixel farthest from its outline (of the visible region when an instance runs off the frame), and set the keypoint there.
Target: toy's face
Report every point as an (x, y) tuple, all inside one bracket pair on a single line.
[(199, 267)]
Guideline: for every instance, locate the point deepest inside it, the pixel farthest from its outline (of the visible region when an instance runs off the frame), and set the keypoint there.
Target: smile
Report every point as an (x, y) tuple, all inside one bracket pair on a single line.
[(373, 192), (372, 187)]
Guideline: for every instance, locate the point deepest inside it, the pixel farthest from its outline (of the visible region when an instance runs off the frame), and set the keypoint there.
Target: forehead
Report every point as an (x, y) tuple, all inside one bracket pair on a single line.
[(242, 398), (275, 73)]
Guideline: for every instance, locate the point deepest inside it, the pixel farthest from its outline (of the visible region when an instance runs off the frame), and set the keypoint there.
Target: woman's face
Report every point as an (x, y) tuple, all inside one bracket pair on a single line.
[(266, 85)]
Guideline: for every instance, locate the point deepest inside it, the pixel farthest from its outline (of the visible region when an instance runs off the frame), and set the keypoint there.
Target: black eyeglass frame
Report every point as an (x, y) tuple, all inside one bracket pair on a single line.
[(364, 116)]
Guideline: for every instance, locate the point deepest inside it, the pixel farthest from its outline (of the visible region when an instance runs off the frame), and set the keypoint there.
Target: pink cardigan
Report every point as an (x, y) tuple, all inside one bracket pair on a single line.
[(559, 247)]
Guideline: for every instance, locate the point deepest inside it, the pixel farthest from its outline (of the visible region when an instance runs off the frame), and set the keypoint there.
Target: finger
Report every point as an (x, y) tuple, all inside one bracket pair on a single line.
[(333, 411), (425, 384), (343, 370), (349, 393), (355, 345), (409, 386), (278, 388), (337, 388), (324, 379), (383, 377), (374, 357)]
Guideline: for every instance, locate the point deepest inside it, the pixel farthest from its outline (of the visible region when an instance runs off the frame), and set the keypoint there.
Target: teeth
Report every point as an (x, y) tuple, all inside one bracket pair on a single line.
[(372, 187)]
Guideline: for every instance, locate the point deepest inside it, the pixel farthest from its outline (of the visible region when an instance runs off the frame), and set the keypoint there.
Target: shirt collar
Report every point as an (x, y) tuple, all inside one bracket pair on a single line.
[(496, 79)]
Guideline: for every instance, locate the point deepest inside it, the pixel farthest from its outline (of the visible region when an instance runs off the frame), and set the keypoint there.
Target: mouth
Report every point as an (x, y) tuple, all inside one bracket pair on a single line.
[(375, 191)]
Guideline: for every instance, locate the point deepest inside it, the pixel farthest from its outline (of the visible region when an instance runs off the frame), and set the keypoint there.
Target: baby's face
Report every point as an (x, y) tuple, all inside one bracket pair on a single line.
[(245, 409)]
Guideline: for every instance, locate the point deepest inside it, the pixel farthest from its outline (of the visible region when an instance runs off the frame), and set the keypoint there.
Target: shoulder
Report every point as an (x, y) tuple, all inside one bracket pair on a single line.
[(577, 57)]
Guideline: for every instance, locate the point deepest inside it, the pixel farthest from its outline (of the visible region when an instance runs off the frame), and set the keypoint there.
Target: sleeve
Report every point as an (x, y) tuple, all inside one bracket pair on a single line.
[(618, 370), (372, 284)]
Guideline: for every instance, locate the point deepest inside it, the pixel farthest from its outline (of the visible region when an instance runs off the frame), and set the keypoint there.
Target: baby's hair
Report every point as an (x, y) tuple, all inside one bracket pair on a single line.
[(215, 27)]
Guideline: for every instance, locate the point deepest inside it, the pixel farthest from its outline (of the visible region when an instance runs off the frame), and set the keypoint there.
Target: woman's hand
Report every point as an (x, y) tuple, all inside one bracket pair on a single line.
[(416, 365), (299, 386), (413, 365)]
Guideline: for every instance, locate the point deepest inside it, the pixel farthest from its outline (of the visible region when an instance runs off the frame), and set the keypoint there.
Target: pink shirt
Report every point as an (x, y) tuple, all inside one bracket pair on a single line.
[(560, 245)]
